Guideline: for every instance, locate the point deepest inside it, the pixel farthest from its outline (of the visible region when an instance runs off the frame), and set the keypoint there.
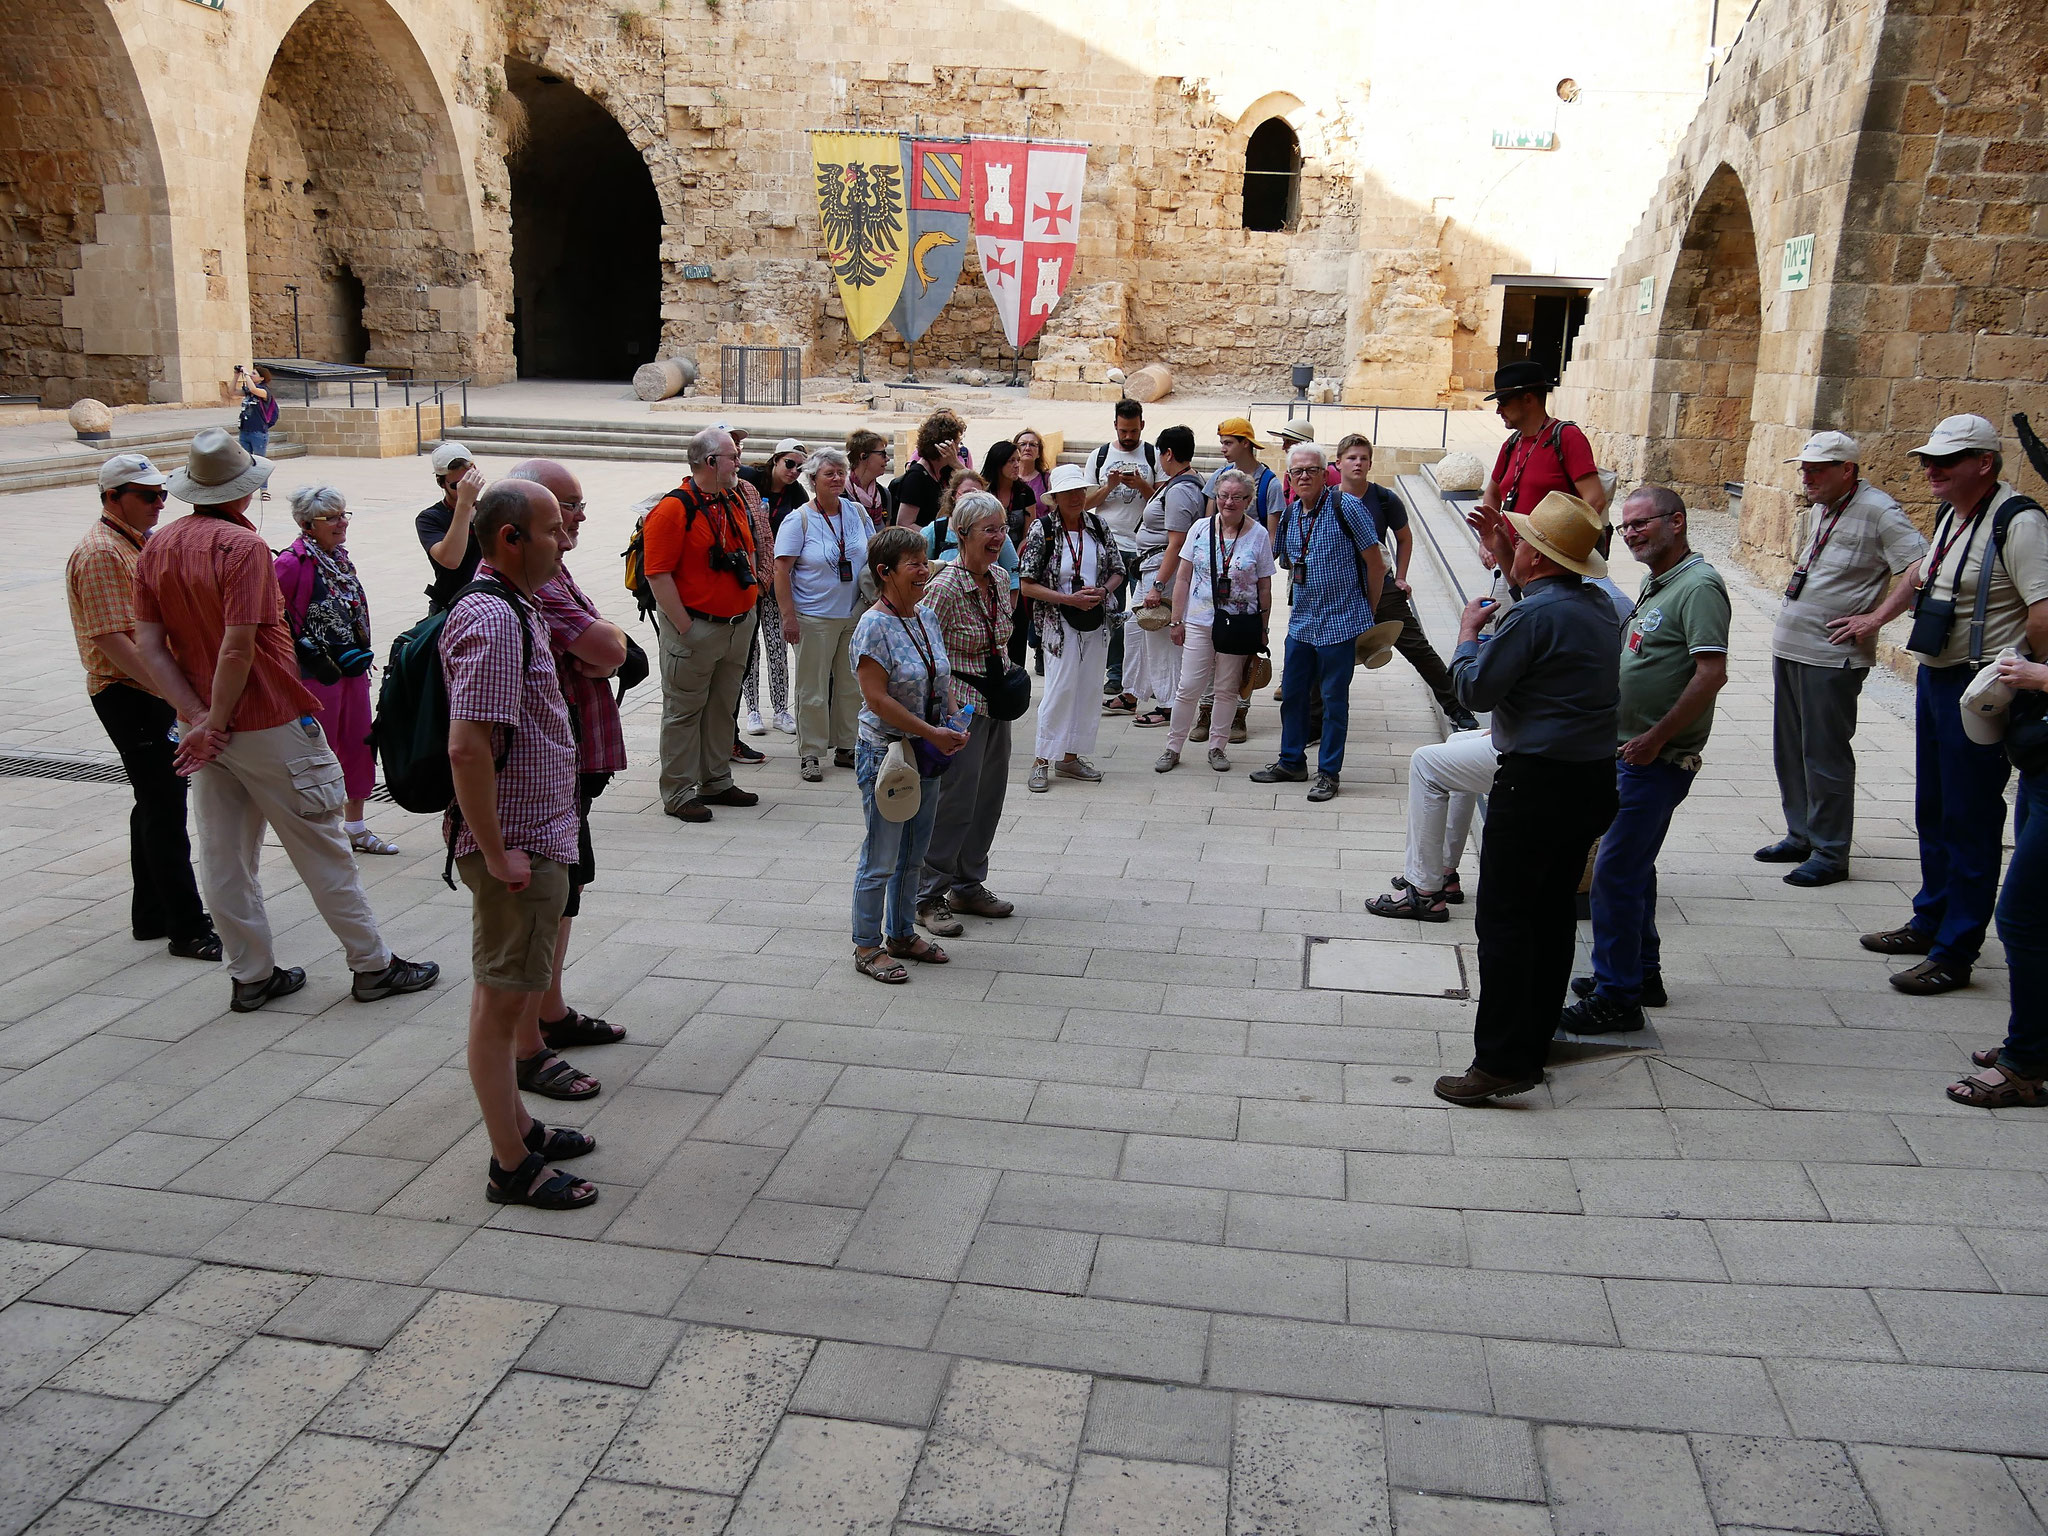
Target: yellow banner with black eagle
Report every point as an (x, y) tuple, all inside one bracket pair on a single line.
[(860, 181)]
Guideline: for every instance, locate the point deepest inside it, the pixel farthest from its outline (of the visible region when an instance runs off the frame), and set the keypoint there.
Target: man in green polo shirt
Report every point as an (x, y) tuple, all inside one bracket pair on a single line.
[(1674, 659)]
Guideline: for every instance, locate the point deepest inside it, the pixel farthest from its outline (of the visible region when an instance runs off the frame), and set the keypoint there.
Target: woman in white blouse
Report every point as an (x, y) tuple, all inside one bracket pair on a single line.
[(1226, 566)]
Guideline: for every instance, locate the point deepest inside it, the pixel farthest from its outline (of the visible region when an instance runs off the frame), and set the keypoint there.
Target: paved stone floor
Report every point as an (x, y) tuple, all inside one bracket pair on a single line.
[(1113, 1225)]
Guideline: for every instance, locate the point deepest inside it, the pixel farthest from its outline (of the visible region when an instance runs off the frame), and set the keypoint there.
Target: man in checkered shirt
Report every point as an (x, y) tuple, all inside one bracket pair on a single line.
[(513, 759), (100, 580)]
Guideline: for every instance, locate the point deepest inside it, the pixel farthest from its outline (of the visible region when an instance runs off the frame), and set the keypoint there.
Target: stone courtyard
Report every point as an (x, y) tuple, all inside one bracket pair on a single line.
[(1138, 1217)]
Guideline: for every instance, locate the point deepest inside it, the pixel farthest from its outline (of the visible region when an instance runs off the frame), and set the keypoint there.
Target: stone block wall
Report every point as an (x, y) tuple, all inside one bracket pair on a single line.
[(384, 432)]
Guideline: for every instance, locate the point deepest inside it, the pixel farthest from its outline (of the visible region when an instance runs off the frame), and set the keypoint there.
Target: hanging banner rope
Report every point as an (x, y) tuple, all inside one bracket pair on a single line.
[(1026, 196), (939, 228), (861, 215)]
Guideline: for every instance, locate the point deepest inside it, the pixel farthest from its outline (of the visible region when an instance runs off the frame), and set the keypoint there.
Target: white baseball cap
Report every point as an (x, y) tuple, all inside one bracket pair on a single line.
[(1829, 448), (898, 788), (130, 469), (1066, 477), (448, 455), (791, 445), (1985, 702), (1960, 434)]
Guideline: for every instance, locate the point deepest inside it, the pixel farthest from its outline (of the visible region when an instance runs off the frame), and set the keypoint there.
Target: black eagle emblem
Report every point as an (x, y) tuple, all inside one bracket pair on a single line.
[(860, 210)]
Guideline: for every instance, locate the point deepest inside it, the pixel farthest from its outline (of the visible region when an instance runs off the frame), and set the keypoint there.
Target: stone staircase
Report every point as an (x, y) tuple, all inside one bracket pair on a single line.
[(79, 463)]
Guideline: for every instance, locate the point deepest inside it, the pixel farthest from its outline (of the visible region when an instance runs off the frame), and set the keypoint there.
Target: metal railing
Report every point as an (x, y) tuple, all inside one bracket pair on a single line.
[(439, 402)]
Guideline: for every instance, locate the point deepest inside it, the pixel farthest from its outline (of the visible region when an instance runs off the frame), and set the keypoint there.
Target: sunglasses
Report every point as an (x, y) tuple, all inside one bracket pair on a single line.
[(1947, 460), (154, 493), (792, 464)]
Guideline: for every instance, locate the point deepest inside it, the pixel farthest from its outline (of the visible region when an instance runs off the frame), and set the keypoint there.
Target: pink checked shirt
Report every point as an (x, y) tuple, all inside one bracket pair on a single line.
[(480, 656), (568, 612)]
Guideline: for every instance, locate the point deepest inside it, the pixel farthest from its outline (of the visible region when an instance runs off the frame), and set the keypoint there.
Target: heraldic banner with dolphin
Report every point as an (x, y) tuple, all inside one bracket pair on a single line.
[(1026, 197), (863, 218), (939, 225)]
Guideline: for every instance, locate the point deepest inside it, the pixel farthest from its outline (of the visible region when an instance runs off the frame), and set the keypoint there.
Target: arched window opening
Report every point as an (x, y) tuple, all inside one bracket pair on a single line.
[(1272, 176)]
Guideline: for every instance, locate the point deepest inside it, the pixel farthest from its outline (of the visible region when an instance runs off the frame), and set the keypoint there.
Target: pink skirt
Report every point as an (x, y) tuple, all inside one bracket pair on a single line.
[(345, 714)]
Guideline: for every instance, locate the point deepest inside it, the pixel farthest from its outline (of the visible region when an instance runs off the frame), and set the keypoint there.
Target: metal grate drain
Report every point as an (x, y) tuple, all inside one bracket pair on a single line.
[(31, 765)]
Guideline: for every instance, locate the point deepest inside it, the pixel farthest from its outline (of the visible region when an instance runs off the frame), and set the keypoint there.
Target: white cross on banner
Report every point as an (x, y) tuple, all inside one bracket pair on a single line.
[(1027, 221)]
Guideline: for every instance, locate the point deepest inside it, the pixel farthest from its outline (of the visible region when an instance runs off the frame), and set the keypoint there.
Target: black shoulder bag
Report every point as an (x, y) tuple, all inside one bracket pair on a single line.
[(1233, 634)]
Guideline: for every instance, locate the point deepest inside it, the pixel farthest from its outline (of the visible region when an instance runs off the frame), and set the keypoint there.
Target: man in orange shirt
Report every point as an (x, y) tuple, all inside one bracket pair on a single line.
[(703, 568), (210, 626)]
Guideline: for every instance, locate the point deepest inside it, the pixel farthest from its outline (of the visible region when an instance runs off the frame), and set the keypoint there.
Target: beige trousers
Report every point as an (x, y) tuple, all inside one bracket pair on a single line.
[(827, 695), (289, 779), (700, 693)]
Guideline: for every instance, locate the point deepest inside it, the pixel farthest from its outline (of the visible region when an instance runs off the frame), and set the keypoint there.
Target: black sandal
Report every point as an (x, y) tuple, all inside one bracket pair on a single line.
[(1422, 906), (525, 1186), (573, 1029), (547, 1074), (559, 1141), (205, 947), (1452, 893)]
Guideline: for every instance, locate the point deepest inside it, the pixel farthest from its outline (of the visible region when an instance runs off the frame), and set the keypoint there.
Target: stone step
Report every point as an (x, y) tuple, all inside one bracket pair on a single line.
[(47, 474)]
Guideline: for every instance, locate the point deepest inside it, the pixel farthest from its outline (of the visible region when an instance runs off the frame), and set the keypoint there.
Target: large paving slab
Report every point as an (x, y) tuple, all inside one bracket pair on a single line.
[(1126, 1220)]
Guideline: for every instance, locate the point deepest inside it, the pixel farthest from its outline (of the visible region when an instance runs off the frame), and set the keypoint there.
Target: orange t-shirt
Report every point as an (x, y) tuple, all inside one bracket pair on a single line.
[(677, 541)]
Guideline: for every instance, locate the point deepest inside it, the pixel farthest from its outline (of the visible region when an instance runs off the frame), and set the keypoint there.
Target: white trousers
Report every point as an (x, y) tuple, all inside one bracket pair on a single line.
[(1151, 664), (1070, 706), (1445, 782)]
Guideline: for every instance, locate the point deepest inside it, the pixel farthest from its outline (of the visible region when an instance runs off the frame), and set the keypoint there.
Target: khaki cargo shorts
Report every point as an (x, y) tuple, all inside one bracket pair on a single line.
[(512, 933)]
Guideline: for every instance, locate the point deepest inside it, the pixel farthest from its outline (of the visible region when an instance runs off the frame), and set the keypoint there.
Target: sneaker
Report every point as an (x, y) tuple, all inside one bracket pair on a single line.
[(842, 757), (742, 753), (1040, 780), (808, 770), (1652, 995), (754, 725), (1219, 760), (1167, 761), (937, 917), (398, 976), (1240, 727), (1473, 1087), (979, 901), (1279, 773), (1078, 768), (1324, 788), (1597, 1015), (785, 722), (1463, 720), (248, 996)]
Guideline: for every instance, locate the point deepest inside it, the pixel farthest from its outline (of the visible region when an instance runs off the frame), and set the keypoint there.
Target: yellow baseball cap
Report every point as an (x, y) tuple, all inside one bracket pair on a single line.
[(1237, 426)]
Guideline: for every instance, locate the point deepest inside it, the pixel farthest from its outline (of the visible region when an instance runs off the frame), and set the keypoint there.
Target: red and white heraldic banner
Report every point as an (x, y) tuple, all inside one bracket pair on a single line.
[(1027, 221)]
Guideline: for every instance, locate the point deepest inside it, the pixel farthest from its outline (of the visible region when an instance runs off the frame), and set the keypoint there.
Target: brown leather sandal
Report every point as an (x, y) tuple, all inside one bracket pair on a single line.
[(917, 948), (1998, 1088)]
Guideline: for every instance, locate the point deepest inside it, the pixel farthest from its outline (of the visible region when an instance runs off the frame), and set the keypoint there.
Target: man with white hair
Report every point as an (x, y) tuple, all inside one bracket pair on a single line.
[(1857, 540), (1335, 569), (700, 561)]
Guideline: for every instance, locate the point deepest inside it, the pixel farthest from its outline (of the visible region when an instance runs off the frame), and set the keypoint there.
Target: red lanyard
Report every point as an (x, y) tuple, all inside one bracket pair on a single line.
[(1827, 531), (1967, 532)]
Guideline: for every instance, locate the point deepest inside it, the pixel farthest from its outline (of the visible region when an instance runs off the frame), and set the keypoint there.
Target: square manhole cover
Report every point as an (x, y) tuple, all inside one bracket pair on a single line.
[(1391, 966)]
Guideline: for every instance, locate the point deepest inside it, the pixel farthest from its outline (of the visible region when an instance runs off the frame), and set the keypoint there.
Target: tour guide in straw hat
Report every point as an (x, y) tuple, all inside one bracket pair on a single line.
[(1551, 677)]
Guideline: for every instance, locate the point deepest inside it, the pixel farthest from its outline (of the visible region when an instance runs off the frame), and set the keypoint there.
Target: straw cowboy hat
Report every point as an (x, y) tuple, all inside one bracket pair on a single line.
[(219, 470), (1566, 530)]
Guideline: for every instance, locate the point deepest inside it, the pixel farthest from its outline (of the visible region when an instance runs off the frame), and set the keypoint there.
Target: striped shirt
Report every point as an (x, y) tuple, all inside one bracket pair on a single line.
[(480, 658), (100, 581)]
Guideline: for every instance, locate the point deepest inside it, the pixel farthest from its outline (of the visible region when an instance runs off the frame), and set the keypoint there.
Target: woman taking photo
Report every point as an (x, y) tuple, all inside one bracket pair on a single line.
[(259, 407), (867, 458), (330, 623), (971, 599), (818, 553), (1070, 570), (1225, 581), (899, 656), (915, 492)]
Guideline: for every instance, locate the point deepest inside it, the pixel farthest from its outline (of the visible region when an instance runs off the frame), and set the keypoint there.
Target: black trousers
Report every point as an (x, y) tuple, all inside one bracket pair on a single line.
[(166, 901), (1415, 648), (1541, 819)]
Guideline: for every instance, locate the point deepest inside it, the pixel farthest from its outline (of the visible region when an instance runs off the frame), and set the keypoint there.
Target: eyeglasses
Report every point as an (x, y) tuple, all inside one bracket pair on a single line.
[(1642, 523), (330, 517), (154, 493), (1309, 470)]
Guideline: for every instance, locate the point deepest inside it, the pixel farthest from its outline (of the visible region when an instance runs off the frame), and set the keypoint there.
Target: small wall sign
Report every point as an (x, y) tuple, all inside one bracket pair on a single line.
[(1646, 295), (1798, 268), (1524, 138), (689, 272)]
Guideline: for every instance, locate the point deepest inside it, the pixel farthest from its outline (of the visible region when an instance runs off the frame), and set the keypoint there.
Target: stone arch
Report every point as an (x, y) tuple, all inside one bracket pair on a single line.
[(1272, 176), (584, 202), (86, 291), (1704, 376), (354, 184)]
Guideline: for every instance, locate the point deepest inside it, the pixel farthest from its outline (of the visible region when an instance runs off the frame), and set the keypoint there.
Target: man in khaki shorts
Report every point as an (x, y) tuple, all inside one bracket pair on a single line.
[(513, 759)]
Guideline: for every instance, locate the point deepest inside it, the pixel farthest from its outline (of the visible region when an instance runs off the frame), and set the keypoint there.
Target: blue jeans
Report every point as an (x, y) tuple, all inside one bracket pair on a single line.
[(1625, 944), (254, 441), (2023, 929), (1959, 811), (891, 855), (1316, 669)]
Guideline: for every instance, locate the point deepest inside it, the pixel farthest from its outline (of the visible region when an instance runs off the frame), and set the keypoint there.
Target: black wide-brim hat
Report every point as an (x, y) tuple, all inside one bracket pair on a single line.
[(1517, 377)]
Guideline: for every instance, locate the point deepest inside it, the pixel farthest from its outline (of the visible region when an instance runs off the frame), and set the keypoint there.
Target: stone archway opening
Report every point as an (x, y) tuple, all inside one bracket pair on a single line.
[(84, 307), (1272, 176), (1706, 351), (586, 237), (346, 200)]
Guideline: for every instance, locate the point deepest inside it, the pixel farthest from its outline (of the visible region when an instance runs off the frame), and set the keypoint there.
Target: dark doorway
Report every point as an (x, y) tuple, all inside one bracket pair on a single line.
[(586, 237), (345, 301), (1272, 176), (1539, 324)]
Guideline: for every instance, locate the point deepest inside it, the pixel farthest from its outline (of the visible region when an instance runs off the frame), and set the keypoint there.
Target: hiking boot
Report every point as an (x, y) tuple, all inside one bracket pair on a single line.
[(979, 901), (937, 917), (1240, 730), (399, 976), (1201, 730)]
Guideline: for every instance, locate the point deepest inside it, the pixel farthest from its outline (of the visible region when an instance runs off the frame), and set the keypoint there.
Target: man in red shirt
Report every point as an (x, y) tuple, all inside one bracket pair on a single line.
[(1542, 454), (701, 563), (210, 625)]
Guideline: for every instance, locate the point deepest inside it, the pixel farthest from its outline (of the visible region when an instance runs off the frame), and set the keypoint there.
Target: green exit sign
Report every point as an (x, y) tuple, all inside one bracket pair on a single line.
[(212, 5), (1797, 271)]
